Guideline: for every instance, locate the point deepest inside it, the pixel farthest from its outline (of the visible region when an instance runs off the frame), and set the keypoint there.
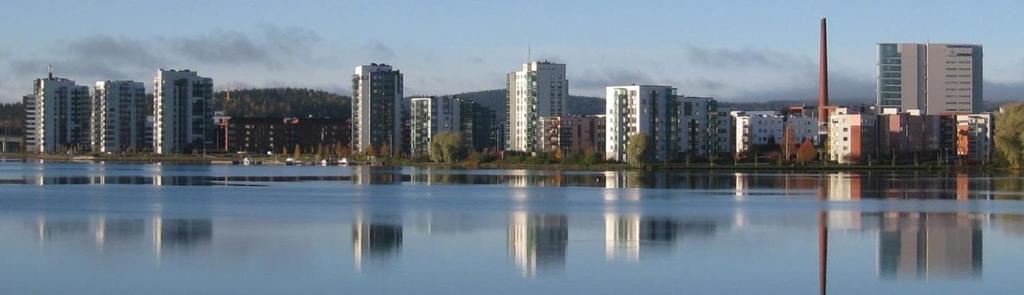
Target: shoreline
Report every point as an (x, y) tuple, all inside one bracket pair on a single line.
[(231, 160)]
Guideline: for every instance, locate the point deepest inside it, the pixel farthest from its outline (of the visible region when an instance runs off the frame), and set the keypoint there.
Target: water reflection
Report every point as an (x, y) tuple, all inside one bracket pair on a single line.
[(376, 240), (929, 245), (738, 184), (102, 233), (538, 242), (629, 236), (181, 234)]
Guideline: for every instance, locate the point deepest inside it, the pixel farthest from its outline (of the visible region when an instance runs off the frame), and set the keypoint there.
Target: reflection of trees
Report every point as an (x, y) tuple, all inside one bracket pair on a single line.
[(1010, 223), (537, 242), (927, 245)]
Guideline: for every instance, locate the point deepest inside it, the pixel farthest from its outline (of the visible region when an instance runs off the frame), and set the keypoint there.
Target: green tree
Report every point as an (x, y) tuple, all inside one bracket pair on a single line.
[(1009, 134), (298, 151), (638, 150), (447, 148)]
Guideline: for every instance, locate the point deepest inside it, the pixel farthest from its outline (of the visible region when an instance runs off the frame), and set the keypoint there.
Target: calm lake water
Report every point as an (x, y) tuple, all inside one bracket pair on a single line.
[(150, 229)]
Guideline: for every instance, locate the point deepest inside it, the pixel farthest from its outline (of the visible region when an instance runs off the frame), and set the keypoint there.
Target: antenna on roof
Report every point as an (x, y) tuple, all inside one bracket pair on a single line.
[(50, 68), (529, 53)]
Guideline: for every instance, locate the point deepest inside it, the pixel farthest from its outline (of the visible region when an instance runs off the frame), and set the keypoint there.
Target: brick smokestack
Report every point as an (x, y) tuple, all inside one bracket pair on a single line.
[(823, 75)]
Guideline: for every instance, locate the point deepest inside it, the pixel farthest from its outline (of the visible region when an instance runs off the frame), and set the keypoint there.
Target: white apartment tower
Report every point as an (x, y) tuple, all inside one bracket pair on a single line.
[(57, 116), (376, 108), (934, 78), (119, 111), (646, 109), (182, 113), (432, 115), (540, 89)]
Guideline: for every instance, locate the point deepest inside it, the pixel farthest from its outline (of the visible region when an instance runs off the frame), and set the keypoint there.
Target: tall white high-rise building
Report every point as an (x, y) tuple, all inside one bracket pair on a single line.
[(58, 116), (182, 113), (119, 111), (641, 109), (376, 108), (433, 115), (934, 78), (540, 89)]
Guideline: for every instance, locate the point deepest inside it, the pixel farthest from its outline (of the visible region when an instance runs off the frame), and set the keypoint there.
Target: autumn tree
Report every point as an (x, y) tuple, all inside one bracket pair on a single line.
[(807, 152), (638, 149), (1009, 139)]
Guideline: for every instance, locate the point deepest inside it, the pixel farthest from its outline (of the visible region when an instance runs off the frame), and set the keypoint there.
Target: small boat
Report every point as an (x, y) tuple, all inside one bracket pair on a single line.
[(323, 162), (246, 162), (343, 162)]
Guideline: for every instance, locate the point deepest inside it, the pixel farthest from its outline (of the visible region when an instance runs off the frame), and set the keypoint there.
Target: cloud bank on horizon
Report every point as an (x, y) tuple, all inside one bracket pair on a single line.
[(260, 52)]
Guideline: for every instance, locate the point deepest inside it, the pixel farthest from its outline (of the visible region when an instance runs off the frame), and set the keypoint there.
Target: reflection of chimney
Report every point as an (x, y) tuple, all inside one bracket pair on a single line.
[(823, 76)]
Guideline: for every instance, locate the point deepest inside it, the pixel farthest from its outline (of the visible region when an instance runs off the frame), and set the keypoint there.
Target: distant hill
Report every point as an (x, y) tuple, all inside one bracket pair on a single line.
[(495, 100), (282, 102), (12, 118)]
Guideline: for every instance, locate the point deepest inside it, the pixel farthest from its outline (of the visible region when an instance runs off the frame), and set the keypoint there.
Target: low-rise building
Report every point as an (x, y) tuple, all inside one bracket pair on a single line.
[(908, 134), (974, 137), (572, 133), (756, 129), (701, 126), (851, 136), (278, 134)]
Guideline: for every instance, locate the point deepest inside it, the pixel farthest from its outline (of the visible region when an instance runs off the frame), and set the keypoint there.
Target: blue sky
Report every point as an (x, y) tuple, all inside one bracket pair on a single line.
[(735, 50)]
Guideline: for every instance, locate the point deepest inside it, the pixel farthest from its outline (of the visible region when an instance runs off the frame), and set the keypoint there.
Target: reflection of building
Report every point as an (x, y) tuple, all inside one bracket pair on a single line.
[(180, 233), (927, 245), (845, 186), (373, 175), (537, 241), (375, 240), (630, 235)]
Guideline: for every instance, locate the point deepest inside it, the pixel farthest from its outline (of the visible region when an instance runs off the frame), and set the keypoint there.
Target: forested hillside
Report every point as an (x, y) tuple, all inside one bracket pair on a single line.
[(282, 102), (495, 100)]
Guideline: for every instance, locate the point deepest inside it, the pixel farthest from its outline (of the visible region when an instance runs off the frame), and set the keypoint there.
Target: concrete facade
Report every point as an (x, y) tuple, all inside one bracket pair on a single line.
[(540, 89), (645, 109), (57, 116), (852, 136), (430, 116), (377, 108), (182, 112), (119, 111), (573, 133), (934, 78)]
